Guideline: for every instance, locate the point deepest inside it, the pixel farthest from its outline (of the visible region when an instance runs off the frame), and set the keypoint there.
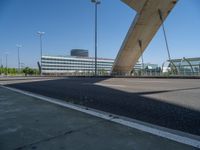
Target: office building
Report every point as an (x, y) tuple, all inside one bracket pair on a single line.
[(80, 64)]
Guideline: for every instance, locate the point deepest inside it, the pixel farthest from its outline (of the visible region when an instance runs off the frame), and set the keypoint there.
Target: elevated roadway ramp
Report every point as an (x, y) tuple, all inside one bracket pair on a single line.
[(144, 27)]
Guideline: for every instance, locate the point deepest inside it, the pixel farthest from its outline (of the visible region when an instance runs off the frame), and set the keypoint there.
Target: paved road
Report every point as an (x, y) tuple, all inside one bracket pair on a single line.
[(28, 123), (171, 103)]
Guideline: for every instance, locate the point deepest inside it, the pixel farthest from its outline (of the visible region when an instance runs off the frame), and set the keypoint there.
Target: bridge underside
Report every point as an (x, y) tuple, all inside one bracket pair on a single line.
[(144, 27)]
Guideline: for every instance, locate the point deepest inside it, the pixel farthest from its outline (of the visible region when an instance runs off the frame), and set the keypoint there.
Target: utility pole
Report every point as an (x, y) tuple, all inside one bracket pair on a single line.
[(96, 3)]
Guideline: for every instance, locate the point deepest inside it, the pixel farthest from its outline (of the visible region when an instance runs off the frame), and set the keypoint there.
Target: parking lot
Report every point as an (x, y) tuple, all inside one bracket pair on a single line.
[(171, 103), (29, 123)]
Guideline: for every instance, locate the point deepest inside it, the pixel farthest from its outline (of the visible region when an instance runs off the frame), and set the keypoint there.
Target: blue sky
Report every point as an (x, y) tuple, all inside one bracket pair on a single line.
[(69, 24)]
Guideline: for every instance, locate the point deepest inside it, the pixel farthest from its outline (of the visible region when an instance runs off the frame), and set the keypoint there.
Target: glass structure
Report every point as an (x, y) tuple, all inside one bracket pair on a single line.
[(187, 66)]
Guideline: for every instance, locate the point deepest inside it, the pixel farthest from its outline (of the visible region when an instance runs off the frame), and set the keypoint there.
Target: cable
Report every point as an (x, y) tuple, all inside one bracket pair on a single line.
[(140, 44), (163, 27), (165, 36)]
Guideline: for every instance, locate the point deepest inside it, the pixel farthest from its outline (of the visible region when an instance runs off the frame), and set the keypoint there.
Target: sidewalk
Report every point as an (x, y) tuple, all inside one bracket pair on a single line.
[(28, 123)]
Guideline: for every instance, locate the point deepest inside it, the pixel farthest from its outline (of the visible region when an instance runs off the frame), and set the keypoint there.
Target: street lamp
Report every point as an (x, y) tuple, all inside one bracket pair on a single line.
[(40, 34), (96, 2), (6, 63), (18, 48), (1, 62)]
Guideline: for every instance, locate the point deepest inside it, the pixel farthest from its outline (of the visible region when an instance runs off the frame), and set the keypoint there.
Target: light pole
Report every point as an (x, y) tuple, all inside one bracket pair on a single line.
[(18, 48), (1, 62), (96, 2), (6, 63), (1, 71), (40, 34)]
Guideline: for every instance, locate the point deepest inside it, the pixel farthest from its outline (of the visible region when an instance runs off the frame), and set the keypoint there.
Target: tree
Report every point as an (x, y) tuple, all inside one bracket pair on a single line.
[(28, 71)]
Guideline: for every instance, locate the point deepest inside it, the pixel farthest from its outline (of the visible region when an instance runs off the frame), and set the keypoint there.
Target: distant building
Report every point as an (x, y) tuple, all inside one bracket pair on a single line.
[(146, 69), (79, 63), (75, 65)]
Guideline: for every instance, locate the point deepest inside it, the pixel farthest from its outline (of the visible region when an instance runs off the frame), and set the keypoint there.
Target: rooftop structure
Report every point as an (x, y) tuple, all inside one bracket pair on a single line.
[(79, 53)]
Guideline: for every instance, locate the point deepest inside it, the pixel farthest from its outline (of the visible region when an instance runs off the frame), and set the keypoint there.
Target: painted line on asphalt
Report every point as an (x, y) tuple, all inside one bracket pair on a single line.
[(110, 85), (105, 85), (143, 81), (153, 129)]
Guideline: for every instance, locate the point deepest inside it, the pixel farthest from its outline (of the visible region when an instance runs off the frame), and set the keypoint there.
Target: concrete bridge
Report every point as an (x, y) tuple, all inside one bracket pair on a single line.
[(149, 18)]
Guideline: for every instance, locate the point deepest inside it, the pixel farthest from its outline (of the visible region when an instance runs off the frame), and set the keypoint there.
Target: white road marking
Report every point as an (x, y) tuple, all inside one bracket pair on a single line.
[(153, 129), (146, 81), (25, 80), (110, 85), (105, 85), (122, 85)]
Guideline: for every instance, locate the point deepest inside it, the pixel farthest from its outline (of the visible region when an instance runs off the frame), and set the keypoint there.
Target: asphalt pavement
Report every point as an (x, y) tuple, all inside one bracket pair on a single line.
[(171, 103), (29, 123)]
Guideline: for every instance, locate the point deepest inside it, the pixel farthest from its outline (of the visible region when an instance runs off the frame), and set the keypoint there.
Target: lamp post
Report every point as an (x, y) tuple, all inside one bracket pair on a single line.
[(40, 34), (6, 64), (1, 71), (96, 3), (18, 53), (1, 62)]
